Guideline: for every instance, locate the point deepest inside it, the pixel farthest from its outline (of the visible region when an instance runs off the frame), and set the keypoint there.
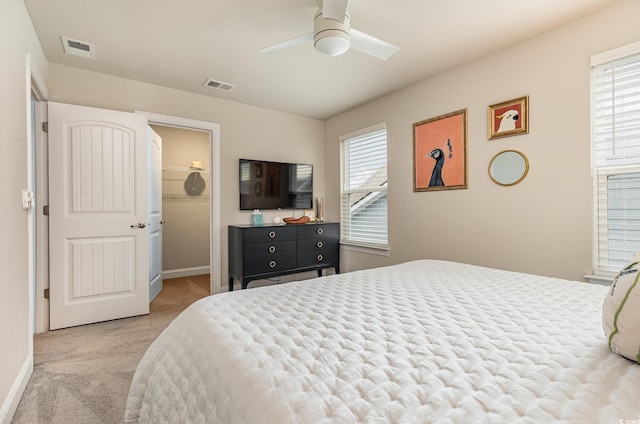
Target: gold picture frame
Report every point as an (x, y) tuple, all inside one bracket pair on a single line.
[(440, 152), (310, 213), (508, 118)]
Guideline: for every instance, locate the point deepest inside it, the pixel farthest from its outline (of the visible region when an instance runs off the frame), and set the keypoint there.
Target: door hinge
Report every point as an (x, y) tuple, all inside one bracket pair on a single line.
[(45, 127), (46, 293), (45, 210)]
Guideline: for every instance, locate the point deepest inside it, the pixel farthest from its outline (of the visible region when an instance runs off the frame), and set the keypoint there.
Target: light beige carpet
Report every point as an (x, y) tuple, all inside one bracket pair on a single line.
[(82, 374)]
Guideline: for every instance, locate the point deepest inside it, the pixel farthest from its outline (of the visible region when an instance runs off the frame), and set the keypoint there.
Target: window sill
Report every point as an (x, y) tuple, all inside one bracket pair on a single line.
[(599, 279), (380, 251)]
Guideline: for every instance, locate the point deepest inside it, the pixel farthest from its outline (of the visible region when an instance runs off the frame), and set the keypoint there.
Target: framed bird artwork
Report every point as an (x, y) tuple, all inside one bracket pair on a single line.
[(509, 118), (440, 152)]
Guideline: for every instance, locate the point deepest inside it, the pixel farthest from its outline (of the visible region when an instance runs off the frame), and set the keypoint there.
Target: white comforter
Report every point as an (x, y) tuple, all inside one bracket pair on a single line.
[(426, 341)]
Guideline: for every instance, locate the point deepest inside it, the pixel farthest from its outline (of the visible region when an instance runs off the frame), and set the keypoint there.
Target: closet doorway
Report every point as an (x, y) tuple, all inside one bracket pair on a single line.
[(186, 199), (212, 129)]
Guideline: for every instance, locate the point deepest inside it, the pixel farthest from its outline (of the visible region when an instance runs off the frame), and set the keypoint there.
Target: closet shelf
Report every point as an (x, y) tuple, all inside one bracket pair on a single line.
[(181, 178), (184, 169)]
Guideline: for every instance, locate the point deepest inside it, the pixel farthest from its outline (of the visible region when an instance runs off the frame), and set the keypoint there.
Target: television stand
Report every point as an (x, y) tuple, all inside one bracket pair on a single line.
[(256, 253)]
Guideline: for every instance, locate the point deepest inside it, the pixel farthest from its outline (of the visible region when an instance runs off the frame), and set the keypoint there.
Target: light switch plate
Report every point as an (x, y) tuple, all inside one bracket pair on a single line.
[(27, 199)]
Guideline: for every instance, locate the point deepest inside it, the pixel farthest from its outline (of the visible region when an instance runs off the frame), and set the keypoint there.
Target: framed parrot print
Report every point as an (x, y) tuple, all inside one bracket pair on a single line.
[(509, 118)]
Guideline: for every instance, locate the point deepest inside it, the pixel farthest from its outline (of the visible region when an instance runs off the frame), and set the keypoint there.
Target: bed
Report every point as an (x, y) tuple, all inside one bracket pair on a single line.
[(421, 342)]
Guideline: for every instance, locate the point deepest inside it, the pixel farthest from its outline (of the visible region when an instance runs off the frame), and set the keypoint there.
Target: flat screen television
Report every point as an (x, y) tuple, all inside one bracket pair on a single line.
[(275, 185)]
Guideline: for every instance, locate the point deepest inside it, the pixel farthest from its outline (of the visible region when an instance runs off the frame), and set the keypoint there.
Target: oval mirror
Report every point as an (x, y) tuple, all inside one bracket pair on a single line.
[(508, 167)]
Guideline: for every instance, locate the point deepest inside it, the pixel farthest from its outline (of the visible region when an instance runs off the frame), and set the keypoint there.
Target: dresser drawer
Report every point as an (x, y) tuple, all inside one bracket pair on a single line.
[(265, 265), (315, 231), (319, 258), (266, 234), (263, 250), (318, 245)]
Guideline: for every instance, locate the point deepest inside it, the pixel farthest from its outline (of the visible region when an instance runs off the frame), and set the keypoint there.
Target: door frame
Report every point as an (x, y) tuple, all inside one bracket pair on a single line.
[(33, 86), (214, 199), (39, 255)]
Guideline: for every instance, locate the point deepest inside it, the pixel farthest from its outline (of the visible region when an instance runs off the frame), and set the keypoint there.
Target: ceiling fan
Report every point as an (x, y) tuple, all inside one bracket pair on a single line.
[(332, 34)]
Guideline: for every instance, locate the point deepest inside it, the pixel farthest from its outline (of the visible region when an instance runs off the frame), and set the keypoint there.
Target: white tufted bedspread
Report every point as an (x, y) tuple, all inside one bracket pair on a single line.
[(422, 342)]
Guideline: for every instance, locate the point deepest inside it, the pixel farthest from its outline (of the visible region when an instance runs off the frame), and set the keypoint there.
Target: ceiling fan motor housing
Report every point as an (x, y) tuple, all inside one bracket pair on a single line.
[(330, 36)]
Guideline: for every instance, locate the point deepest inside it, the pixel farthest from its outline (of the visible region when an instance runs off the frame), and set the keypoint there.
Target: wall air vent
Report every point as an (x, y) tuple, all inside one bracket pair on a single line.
[(78, 48), (219, 85)]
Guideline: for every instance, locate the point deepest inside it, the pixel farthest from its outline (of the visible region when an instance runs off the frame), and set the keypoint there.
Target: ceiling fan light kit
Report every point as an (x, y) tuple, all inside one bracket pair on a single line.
[(331, 37)]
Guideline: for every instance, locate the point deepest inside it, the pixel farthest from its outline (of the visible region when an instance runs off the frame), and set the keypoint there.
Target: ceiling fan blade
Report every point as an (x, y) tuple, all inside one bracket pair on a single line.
[(334, 9), (287, 44), (371, 45)]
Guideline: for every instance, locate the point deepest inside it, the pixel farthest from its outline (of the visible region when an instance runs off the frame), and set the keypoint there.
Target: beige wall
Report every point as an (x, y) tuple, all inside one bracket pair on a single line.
[(17, 37), (185, 234), (245, 131), (542, 225)]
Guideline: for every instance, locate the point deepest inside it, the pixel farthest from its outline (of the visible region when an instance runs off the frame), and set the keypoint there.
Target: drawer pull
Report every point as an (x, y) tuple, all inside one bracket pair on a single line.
[(272, 264), (319, 258), (272, 234), (272, 249), (319, 244), (319, 231)]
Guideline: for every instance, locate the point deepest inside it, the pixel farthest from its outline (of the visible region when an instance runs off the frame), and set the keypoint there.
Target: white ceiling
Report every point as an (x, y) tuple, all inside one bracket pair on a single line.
[(180, 44)]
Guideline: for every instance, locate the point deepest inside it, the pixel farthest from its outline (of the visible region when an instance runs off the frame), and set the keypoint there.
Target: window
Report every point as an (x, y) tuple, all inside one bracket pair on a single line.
[(363, 187), (615, 140)]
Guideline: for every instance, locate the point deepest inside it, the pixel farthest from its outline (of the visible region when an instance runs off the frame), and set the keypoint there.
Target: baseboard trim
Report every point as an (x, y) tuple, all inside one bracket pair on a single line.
[(13, 398), (186, 272)]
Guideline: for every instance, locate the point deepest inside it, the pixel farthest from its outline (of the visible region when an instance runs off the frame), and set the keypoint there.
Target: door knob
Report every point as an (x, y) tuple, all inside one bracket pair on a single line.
[(163, 222), (139, 225)]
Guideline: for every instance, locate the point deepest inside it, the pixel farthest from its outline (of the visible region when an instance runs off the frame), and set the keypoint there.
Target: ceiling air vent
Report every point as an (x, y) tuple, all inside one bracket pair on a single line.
[(78, 48), (219, 85)]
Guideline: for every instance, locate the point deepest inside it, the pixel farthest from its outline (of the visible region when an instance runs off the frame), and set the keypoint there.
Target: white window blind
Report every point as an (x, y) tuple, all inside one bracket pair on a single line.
[(363, 193), (615, 119)]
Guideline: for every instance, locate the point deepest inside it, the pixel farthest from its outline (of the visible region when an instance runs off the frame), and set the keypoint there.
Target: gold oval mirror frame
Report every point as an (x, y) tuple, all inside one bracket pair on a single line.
[(508, 167)]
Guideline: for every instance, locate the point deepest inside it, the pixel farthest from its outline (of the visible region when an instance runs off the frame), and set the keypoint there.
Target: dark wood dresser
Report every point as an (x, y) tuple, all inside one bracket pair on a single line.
[(273, 250)]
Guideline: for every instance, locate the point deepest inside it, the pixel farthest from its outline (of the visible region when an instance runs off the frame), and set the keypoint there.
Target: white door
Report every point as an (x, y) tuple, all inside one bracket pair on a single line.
[(155, 214), (98, 211)]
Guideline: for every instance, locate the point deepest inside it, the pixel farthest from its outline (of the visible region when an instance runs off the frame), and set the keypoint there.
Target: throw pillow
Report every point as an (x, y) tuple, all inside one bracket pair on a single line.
[(621, 312)]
